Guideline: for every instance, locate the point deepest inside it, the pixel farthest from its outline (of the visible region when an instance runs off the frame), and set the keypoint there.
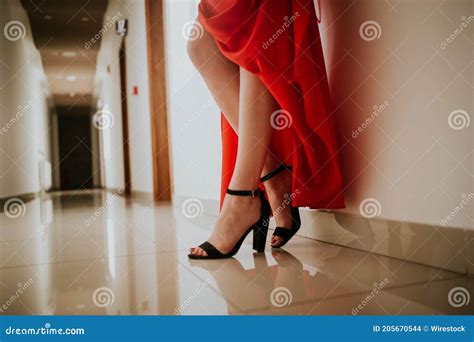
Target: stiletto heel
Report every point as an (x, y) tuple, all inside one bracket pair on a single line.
[(259, 229), (285, 233)]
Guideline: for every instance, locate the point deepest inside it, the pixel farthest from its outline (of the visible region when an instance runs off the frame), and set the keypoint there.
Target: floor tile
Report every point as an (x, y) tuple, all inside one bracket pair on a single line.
[(131, 256)]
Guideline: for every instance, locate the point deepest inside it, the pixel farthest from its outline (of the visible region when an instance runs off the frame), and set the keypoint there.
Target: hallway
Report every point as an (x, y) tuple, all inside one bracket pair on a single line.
[(111, 162), (98, 253)]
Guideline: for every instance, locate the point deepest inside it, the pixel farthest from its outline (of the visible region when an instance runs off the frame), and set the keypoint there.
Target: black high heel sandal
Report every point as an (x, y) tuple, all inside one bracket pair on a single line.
[(260, 229), (285, 233)]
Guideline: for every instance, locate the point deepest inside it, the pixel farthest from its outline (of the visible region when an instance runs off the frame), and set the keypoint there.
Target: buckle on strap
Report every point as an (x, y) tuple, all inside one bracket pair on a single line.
[(250, 193)]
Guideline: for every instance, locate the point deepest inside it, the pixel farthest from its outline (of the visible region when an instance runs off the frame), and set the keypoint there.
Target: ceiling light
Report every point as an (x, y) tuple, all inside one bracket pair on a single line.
[(71, 78), (48, 17), (84, 19), (69, 54), (72, 94)]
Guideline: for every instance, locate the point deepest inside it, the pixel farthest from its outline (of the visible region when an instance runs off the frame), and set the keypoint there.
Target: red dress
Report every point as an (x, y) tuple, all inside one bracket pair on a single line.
[(279, 41)]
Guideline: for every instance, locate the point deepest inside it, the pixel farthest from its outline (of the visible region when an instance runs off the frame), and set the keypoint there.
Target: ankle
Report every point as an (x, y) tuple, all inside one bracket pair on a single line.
[(236, 184), (239, 203), (279, 184), (244, 181)]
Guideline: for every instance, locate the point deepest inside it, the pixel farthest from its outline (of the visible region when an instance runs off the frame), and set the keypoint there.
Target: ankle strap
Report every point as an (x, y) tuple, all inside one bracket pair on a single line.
[(275, 172), (249, 193)]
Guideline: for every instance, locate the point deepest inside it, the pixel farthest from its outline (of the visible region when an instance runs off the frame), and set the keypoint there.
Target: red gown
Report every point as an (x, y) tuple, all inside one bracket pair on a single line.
[(279, 41)]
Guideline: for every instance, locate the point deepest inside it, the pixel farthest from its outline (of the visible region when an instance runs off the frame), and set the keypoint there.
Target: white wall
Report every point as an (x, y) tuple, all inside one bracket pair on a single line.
[(408, 158), (107, 88), (194, 117), (24, 108)]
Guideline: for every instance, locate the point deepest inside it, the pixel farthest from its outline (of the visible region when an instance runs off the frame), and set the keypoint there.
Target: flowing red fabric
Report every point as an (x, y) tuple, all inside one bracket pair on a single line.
[(279, 41)]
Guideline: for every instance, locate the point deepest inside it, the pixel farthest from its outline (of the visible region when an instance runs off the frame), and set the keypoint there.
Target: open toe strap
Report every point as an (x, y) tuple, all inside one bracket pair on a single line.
[(284, 233), (211, 251)]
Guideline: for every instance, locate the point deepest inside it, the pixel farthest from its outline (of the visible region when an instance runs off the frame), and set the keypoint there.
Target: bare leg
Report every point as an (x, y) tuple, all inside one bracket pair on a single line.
[(222, 76), (255, 131), (223, 80)]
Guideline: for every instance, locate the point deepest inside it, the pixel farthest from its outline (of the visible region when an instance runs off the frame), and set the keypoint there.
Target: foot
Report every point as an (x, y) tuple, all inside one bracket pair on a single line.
[(237, 215), (278, 189)]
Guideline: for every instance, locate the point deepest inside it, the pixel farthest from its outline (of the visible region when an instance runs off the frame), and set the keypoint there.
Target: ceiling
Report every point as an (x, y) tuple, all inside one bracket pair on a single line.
[(61, 30)]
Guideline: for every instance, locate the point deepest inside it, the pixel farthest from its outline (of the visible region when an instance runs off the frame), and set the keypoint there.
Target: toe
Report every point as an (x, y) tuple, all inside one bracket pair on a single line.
[(202, 252), (194, 251), (199, 252), (276, 240)]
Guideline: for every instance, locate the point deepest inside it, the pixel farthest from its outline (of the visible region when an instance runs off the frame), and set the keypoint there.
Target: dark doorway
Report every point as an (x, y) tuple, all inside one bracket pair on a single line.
[(123, 95), (75, 150)]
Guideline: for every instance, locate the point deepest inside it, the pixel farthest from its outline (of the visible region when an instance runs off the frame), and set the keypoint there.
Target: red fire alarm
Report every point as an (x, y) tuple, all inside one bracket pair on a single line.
[(135, 90)]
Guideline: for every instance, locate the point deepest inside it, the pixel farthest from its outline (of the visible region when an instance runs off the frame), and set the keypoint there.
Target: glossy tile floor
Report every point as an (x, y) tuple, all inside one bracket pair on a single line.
[(102, 254)]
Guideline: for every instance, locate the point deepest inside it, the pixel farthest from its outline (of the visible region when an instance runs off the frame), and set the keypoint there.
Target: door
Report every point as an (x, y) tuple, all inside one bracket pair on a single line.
[(123, 95)]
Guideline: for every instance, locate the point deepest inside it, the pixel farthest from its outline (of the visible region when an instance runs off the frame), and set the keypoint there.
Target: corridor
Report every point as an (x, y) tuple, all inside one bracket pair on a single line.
[(112, 155)]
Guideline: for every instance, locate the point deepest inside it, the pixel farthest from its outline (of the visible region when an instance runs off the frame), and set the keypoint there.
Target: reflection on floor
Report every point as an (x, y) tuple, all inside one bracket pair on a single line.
[(102, 254)]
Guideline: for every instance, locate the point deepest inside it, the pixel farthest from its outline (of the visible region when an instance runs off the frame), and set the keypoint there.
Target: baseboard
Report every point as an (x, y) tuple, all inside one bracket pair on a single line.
[(25, 198), (438, 246), (142, 196)]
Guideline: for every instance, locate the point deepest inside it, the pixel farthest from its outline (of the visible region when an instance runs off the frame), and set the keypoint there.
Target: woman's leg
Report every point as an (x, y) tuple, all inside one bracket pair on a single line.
[(222, 77), (220, 74), (238, 213)]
